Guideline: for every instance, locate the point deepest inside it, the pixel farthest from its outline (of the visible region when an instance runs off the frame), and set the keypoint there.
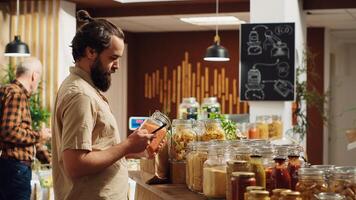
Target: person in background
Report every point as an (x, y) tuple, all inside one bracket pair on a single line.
[(88, 155), (19, 144)]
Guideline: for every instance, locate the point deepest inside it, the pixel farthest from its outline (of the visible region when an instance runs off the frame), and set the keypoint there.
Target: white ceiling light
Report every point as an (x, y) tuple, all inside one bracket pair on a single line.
[(138, 1), (212, 20)]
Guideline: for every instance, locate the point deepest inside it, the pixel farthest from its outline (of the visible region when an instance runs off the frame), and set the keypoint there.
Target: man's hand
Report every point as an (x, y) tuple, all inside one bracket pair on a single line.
[(138, 141), (45, 134)]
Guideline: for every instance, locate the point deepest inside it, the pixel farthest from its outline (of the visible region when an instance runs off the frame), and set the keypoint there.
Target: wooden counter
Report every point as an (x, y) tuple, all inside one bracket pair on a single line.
[(163, 191)]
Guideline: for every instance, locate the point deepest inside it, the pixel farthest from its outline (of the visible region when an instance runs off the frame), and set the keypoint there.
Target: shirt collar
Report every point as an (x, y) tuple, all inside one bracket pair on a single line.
[(85, 76), (18, 83)]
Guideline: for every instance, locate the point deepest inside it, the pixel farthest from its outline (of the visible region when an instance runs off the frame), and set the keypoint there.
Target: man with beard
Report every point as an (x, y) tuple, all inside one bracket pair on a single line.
[(88, 156)]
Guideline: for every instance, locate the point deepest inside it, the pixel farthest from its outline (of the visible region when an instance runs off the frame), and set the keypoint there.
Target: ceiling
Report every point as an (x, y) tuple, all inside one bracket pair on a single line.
[(336, 19)]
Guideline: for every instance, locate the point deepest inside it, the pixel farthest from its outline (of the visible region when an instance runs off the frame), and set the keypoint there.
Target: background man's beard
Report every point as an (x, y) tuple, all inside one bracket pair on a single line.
[(100, 78)]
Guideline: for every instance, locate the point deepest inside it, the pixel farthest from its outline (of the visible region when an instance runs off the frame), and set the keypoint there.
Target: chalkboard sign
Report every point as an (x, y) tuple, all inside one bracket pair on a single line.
[(267, 71)]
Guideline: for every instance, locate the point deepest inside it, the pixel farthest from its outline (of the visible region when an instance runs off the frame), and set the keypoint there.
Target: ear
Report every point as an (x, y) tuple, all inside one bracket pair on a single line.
[(90, 53), (33, 76)]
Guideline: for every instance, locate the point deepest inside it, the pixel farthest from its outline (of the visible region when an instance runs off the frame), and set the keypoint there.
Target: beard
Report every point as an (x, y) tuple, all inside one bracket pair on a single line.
[(100, 77)]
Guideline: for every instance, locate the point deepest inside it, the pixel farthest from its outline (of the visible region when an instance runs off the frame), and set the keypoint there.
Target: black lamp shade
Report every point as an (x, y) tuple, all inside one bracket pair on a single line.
[(17, 48), (216, 52)]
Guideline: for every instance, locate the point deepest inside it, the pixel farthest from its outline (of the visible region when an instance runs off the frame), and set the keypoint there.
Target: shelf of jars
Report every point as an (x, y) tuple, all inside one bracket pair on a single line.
[(208, 162)]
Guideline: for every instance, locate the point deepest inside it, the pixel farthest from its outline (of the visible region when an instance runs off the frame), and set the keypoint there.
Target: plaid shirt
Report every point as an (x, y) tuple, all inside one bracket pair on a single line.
[(17, 139)]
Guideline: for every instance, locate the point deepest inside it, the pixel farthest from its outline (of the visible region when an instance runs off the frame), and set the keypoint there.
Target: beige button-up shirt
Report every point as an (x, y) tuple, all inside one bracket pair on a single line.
[(82, 119)]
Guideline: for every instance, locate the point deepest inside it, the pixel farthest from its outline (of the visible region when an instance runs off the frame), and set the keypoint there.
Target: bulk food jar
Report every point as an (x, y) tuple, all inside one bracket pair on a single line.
[(258, 195), (234, 166), (262, 122), (275, 127), (277, 193), (239, 182), (294, 163), (188, 109), (214, 172), (267, 153), (250, 189), (311, 182), (291, 195), (343, 181), (209, 105), (328, 169), (182, 134), (259, 170), (210, 130), (197, 155), (158, 124)]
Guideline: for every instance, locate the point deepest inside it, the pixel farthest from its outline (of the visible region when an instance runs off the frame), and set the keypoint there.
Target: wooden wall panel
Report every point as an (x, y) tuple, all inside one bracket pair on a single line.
[(187, 73)]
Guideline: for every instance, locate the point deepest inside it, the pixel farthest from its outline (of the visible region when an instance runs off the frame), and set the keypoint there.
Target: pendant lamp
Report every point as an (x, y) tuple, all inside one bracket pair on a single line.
[(16, 47), (216, 52)]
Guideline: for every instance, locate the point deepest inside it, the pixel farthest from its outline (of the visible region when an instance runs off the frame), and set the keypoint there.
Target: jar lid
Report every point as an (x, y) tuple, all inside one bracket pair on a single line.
[(310, 171), (259, 193), (210, 100), (251, 188), (323, 167), (189, 100), (243, 174), (280, 190), (237, 162), (243, 149), (329, 195), (182, 122), (290, 193)]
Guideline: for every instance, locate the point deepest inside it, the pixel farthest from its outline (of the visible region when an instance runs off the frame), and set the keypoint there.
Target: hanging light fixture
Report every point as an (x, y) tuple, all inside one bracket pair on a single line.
[(216, 52), (16, 47)]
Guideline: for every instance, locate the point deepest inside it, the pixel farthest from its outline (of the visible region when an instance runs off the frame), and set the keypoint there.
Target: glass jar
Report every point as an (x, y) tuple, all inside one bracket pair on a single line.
[(343, 181), (277, 193), (242, 153), (211, 130), (294, 164), (291, 195), (311, 182), (182, 134), (262, 126), (239, 182), (209, 105), (194, 165), (330, 196), (158, 123), (251, 188), (259, 170), (234, 166), (188, 109), (259, 195), (328, 169), (267, 153), (214, 172), (280, 174), (242, 130), (275, 127), (253, 132)]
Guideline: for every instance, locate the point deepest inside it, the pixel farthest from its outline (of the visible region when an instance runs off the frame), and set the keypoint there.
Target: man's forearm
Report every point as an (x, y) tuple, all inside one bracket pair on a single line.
[(79, 163)]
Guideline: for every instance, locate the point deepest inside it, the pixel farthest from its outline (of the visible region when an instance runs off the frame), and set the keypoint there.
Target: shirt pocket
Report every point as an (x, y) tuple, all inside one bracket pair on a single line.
[(104, 132)]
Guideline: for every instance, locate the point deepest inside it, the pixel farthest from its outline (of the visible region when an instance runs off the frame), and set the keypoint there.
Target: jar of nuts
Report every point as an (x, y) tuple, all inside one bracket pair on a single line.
[(311, 182), (343, 181)]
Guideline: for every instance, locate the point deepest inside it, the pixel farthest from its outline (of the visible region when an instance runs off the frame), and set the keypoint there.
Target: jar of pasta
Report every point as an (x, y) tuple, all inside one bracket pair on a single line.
[(275, 127), (311, 182), (182, 134), (211, 130), (262, 126)]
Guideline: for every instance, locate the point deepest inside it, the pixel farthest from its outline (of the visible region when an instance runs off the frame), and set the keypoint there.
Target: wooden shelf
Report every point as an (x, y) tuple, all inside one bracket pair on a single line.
[(163, 191)]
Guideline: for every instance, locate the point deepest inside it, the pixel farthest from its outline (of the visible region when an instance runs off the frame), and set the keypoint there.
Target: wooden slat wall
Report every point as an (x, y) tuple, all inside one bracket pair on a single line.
[(38, 27), (183, 81)]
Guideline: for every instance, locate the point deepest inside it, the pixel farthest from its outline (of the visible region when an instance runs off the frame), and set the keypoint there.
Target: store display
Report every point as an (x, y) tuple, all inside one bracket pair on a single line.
[(211, 130), (188, 109), (239, 182), (182, 134), (311, 182)]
